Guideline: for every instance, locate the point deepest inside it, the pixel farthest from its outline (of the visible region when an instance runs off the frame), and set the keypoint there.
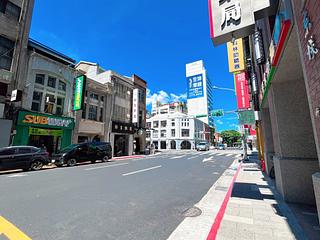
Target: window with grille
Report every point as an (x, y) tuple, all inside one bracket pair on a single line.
[(6, 53)]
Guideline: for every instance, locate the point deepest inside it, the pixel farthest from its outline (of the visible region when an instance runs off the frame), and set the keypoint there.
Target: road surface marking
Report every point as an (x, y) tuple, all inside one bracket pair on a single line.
[(220, 154), (192, 157), (215, 173), (207, 159), (11, 231), (229, 155), (142, 170), (178, 157), (108, 166), (17, 175)]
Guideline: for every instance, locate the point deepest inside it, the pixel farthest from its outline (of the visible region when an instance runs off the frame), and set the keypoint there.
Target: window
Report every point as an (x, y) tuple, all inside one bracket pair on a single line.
[(62, 86), (101, 115), (163, 123), (163, 133), (24, 150), (3, 89), (6, 53), (185, 132), (40, 78), (155, 124), (102, 98), (173, 133), (60, 106), (94, 96), (84, 111), (3, 5), (52, 82), (173, 122), (13, 10), (36, 101), (50, 101), (155, 134), (148, 134), (8, 151), (93, 113), (148, 125)]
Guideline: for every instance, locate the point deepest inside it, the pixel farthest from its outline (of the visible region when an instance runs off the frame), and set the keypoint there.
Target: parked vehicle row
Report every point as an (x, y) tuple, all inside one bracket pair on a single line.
[(33, 158)]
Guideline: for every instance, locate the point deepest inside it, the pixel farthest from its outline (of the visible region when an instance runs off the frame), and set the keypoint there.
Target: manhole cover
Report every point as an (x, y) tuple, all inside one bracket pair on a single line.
[(192, 212)]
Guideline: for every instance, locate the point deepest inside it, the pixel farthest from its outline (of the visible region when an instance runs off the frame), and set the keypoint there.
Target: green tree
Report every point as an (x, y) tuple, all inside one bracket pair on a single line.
[(230, 137)]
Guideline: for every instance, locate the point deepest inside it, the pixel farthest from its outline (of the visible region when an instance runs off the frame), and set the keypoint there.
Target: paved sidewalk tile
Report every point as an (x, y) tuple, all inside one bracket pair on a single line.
[(254, 212)]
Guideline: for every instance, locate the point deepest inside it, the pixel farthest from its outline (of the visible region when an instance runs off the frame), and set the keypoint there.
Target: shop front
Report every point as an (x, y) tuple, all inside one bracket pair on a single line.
[(43, 130), (122, 138)]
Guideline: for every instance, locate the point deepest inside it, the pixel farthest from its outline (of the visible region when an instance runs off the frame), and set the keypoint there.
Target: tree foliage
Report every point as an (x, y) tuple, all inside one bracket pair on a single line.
[(230, 137)]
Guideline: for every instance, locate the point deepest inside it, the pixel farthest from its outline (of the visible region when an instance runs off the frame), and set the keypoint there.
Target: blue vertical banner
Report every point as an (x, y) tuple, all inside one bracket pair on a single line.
[(195, 86)]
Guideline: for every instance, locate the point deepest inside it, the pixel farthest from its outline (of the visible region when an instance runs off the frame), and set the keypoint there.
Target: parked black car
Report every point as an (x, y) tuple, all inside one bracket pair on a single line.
[(23, 157), (83, 152)]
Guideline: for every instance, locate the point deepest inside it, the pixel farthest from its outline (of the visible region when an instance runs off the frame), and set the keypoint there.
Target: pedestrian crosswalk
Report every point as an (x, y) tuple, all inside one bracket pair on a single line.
[(195, 154)]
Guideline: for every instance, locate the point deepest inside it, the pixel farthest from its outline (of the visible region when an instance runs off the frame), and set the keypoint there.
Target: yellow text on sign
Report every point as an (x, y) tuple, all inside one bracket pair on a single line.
[(11, 231)]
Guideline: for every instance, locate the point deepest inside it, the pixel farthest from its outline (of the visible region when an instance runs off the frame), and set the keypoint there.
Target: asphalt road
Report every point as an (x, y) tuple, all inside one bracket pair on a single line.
[(142, 199)]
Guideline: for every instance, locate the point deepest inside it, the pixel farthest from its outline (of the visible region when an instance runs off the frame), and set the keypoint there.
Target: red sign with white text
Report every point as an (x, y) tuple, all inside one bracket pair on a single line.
[(242, 90)]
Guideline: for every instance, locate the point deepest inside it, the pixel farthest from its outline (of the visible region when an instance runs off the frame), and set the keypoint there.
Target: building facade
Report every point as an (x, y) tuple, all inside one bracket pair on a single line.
[(282, 62), (121, 130), (93, 121), (46, 117), (169, 108), (139, 113), (15, 18), (199, 93), (176, 131)]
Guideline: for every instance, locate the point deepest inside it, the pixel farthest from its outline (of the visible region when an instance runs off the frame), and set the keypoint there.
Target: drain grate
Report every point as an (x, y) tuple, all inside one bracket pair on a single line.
[(192, 212)]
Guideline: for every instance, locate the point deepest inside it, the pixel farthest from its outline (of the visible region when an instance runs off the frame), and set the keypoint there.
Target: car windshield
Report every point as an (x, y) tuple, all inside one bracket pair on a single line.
[(202, 144), (69, 148)]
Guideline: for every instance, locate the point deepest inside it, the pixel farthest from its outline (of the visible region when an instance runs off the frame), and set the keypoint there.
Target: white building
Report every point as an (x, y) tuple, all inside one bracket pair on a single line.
[(169, 108), (200, 95), (176, 131)]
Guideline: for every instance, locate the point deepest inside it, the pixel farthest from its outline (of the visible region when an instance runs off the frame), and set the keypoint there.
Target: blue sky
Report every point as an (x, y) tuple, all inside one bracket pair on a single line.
[(153, 39)]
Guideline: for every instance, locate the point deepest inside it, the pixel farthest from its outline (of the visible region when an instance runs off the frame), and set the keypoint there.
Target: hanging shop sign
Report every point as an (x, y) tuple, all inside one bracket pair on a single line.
[(135, 106), (45, 121), (246, 117), (234, 18), (243, 96), (195, 86), (258, 47), (80, 86), (312, 49), (119, 127), (236, 55)]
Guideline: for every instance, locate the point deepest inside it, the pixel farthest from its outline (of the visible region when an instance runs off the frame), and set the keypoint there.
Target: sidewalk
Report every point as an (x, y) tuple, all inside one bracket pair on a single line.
[(256, 211)]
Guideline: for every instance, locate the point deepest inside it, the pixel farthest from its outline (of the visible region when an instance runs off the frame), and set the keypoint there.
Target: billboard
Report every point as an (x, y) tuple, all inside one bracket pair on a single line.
[(235, 18), (242, 90), (78, 93), (236, 56), (135, 106), (195, 86)]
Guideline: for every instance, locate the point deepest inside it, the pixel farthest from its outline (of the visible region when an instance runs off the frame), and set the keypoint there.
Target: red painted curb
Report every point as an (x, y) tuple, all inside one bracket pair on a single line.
[(217, 221)]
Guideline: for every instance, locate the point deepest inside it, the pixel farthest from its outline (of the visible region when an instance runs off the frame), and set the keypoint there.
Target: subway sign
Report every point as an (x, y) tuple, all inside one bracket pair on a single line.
[(78, 93), (44, 121)]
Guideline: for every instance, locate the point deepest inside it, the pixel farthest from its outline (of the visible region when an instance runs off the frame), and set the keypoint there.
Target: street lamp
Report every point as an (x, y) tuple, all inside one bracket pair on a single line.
[(223, 88)]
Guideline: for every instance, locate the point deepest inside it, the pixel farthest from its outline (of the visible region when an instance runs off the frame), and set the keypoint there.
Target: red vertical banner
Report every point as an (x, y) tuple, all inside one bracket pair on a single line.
[(243, 97)]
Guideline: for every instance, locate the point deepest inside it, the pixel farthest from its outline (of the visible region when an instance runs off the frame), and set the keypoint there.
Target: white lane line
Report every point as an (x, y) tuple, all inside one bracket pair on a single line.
[(193, 157), (17, 175), (220, 154), (108, 166), (215, 173), (178, 157), (229, 155), (142, 170), (207, 159)]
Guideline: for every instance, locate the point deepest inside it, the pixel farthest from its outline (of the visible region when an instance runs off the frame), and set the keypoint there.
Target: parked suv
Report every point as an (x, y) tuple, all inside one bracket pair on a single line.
[(23, 157), (83, 152)]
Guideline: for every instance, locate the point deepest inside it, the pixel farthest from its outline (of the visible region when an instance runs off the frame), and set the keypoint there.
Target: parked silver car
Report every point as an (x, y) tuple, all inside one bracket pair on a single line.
[(202, 146)]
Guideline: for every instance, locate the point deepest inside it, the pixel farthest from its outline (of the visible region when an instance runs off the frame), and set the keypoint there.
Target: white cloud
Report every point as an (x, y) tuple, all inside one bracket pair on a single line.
[(220, 122), (164, 97)]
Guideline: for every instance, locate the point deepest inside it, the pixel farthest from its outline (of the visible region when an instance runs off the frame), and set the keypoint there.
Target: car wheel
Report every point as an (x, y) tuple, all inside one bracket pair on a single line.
[(36, 165), (105, 159), (71, 162)]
